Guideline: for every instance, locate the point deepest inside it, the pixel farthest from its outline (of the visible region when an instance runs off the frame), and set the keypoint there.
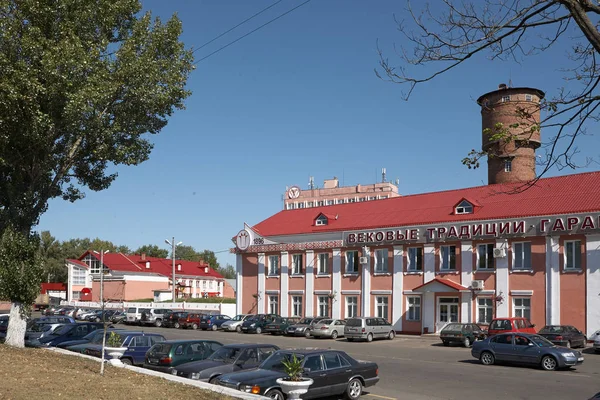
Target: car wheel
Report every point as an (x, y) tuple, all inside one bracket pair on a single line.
[(275, 394), (238, 329), (194, 326), (549, 363), (370, 337), (213, 380), (487, 358), (354, 389), (176, 325), (158, 323), (259, 330), (446, 343), (307, 334), (467, 342), (391, 335), (350, 339), (214, 328), (568, 344), (334, 335), (126, 361)]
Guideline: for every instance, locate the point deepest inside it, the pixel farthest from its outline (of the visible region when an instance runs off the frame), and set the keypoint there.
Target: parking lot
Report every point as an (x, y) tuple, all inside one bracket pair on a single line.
[(416, 368)]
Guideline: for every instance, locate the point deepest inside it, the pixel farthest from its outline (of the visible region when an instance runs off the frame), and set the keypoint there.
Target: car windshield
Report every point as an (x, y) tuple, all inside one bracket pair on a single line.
[(96, 336), (131, 310), (4, 322), (305, 321), (452, 327), (226, 354), (541, 341), (354, 322), (161, 348), (274, 362), (238, 318), (325, 322), (551, 329), (63, 330)]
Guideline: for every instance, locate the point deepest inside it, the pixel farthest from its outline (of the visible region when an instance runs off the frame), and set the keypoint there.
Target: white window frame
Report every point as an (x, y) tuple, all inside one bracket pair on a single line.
[(274, 304), (296, 306), (464, 207), (381, 261), (351, 306), (382, 307), (528, 97), (489, 309), (274, 265), (413, 265), (323, 264), (572, 265), (78, 277), (297, 264), (321, 220), (323, 302), (522, 310), (93, 263), (519, 256), (352, 261), (445, 264), (75, 295), (508, 165), (505, 98), (416, 304), (487, 257)]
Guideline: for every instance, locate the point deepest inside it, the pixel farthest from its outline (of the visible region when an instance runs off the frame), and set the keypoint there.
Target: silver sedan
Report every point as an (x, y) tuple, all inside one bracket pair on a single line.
[(328, 328)]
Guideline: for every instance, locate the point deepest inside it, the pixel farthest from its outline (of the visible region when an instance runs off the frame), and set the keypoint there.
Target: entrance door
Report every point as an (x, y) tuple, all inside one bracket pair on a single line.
[(447, 311)]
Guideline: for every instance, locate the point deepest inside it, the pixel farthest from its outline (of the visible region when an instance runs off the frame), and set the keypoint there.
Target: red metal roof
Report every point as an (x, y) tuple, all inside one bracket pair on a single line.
[(447, 282), (578, 193), (77, 262), (162, 266), (54, 287)]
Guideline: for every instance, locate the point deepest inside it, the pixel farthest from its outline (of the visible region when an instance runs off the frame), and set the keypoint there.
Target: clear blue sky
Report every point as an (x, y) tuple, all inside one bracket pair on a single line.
[(298, 98)]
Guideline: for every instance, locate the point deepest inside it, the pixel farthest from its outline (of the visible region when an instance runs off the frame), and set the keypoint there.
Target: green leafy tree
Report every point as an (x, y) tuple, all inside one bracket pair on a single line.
[(21, 268), (54, 261), (187, 253), (152, 250), (83, 83), (228, 272), (209, 257)]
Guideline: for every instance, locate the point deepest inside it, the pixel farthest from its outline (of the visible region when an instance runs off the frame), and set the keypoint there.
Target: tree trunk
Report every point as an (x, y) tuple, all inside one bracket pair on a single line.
[(17, 325)]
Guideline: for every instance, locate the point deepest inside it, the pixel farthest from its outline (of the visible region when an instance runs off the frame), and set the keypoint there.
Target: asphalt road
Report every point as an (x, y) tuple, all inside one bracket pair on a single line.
[(412, 368)]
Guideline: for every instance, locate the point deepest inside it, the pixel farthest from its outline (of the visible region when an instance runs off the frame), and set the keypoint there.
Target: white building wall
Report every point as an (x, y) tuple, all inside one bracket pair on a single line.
[(397, 288), (593, 284), (429, 311), (336, 305), (283, 295), (428, 262), (310, 284), (552, 281), (261, 284), (366, 285), (466, 277), (502, 310)]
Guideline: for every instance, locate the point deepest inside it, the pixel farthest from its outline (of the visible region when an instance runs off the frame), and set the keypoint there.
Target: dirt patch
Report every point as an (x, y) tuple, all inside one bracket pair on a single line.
[(37, 373)]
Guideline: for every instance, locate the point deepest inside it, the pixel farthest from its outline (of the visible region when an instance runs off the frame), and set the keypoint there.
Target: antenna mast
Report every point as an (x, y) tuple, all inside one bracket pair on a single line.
[(382, 175)]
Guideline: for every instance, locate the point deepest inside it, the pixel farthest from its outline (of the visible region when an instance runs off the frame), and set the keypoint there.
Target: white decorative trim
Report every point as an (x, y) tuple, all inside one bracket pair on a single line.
[(321, 292), (284, 285), (309, 307), (296, 292), (592, 247), (466, 263), (351, 292), (381, 292), (413, 273), (336, 306), (366, 285), (238, 283), (552, 281), (261, 283), (322, 276), (397, 285), (410, 292), (274, 291), (272, 277), (521, 271), (521, 292), (351, 275), (296, 276), (428, 262), (382, 274), (447, 272)]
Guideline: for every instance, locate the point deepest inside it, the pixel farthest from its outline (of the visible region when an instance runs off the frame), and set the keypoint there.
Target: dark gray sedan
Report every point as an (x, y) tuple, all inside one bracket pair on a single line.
[(230, 358), (525, 348)]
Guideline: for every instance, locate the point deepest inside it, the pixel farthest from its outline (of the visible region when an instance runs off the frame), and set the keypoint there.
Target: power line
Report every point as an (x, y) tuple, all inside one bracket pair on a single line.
[(241, 23), (252, 31)]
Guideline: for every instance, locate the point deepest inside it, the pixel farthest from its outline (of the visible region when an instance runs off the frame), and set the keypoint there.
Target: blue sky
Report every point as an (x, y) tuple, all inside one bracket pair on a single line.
[(297, 98)]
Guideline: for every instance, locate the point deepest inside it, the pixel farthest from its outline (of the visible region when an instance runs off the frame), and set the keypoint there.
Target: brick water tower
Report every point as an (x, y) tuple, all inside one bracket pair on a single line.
[(511, 161)]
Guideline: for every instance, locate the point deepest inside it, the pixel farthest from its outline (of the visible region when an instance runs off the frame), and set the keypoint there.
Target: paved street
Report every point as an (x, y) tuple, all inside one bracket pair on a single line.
[(421, 369)]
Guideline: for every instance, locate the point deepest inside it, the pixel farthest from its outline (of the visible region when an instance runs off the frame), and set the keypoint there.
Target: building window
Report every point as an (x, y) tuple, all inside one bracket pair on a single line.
[(352, 262), (505, 99), (204, 285), (413, 309), (522, 255), (75, 295), (381, 260), (198, 284), (362, 199), (415, 259), (320, 203), (322, 267), (464, 207), (296, 306), (353, 200), (93, 263), (291, 206), (78, 276), (448, 258), (311, 204), (300, 205), (381, 303), (507, 165), (485, 256), (528, 97), (321, 220), (323, 306), (273, 265), (522, 307), (372, 198), (351, 306), (297, 264), (329, 202), (573, 254), (484, 310), (274, 304)]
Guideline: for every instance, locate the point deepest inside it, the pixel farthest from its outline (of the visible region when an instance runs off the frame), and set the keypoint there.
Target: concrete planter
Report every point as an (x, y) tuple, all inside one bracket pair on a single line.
[(115, 353), (294, 389)]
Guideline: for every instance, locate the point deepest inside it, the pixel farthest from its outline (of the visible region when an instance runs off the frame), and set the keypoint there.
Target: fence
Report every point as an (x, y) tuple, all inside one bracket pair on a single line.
[(214, 308)]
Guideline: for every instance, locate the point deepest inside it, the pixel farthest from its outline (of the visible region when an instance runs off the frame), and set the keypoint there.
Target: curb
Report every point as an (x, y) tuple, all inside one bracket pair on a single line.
[(202, 385)]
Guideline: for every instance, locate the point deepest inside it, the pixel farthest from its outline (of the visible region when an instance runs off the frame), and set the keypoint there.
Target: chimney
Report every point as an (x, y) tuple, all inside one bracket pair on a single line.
[(206, 270), (502, 86), (147, 264), (143, 256), (178, 267)]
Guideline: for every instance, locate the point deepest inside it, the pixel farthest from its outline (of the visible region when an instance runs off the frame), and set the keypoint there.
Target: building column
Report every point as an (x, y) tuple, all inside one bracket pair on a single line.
[(262, 296), (366, 283), (466, 301), (309, 279), (502, 310), (336, 306), (238, 284), (552, 281), (592, 259), (397, 288), (428, 312), (428, 263), (466, 263), (70, 282), (284, 285)]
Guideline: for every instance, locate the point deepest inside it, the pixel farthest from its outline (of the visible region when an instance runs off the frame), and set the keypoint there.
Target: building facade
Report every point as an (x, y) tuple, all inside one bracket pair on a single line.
[(422, 261)]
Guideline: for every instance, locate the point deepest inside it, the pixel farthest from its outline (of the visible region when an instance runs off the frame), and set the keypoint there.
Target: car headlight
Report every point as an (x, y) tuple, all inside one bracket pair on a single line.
[(173, 372), (254, 389), (299, 329), (570, 354), (252, 325), (195, 375)]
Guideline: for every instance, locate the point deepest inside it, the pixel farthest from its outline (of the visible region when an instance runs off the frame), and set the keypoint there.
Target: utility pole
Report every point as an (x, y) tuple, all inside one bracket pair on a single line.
[(102, 308), (173, 246)]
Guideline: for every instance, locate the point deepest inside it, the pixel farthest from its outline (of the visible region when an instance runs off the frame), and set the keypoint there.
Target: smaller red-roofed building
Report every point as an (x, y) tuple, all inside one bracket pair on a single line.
[(135, 277)]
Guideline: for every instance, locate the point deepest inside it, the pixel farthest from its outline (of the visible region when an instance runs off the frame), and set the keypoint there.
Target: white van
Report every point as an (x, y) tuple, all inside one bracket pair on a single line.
[(134, 315)]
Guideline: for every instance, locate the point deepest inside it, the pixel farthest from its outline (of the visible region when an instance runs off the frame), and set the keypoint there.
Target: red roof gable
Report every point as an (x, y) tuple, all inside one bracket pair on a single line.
[(569, 194), (447, 282)]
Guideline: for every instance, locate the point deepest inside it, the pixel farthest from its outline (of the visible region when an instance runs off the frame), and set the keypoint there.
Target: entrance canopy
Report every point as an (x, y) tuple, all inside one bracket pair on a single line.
[(439, 285)]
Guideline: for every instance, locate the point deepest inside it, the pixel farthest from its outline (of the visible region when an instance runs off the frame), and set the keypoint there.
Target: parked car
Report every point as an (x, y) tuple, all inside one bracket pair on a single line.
[(83, 315), (235, 323), (303, 327), (54, 320), (368, 328), (280, 325), (334, 373), (506, 325), (66, 333), (137, 343), (118, 317), (464, 334), (564, 335), (101, 316), (257, 323), (171, 318), (230, 358), (597, 344), (134, 315), (213, 322), (165, 356), (191, 320), (328, 328), (525, 348), (92, 337), (152, 316)]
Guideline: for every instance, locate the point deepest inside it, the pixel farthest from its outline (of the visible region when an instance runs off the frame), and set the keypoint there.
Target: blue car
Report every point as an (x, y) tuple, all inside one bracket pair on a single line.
[(93, 337), (65, 333), (137, 343), (213, 322)]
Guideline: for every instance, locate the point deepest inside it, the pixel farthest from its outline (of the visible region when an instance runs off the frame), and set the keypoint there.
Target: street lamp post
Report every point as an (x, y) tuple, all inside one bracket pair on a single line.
[(173, 246)]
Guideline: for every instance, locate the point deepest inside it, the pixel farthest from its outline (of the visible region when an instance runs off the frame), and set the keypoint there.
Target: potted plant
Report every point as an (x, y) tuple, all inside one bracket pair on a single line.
[(294, 384), (113, 348)]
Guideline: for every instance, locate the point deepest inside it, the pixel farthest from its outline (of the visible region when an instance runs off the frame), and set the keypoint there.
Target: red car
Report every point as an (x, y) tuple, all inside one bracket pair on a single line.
[(506, 325), (192, 320)]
